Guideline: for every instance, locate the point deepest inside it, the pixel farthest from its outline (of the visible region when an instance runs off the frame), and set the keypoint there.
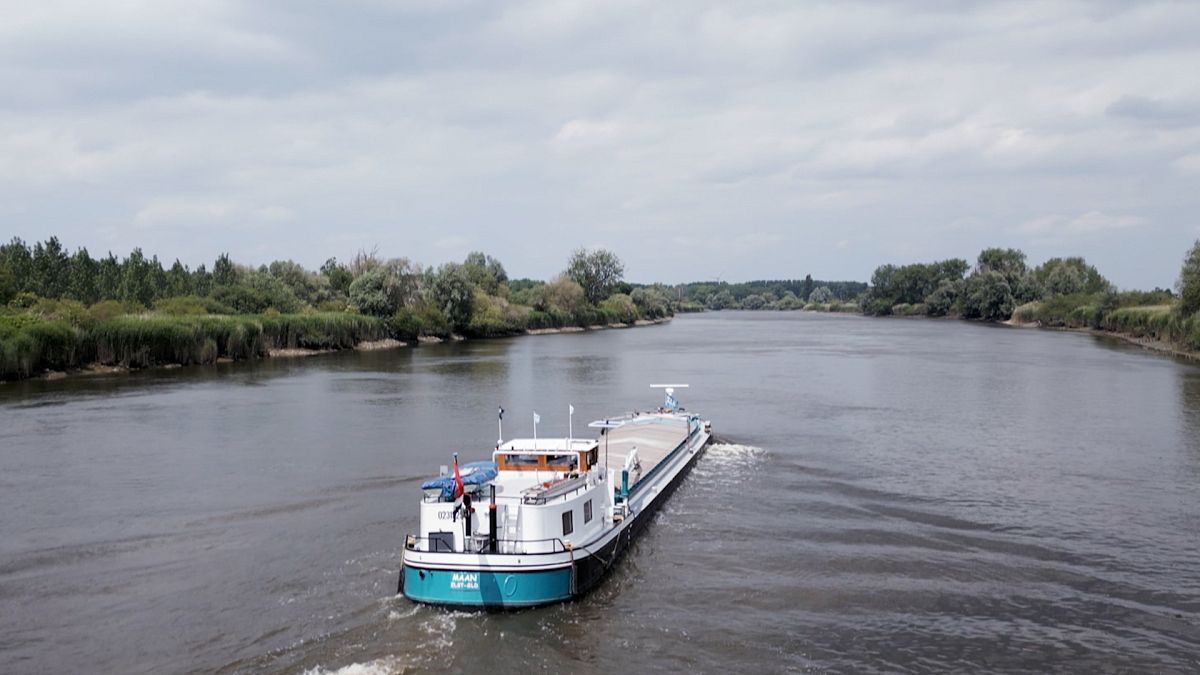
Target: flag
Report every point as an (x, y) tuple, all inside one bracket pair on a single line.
[(536, 418), (571, 409), (500, 414), (458, 484)]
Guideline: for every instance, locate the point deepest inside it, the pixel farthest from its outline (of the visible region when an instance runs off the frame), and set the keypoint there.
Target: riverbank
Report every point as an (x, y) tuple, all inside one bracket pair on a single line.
[(379, 344), (1149, 343)]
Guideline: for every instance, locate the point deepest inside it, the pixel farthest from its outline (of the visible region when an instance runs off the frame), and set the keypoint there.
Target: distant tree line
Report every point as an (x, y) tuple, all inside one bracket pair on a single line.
[(786, 294), (51, 296), (1061, 292)]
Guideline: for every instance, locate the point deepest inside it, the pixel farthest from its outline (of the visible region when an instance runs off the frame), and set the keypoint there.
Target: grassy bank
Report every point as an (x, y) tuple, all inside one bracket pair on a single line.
[(29, 345), (1161, 323)]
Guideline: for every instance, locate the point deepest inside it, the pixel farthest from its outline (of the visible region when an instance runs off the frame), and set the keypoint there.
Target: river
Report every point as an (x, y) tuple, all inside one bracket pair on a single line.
[(886, 496)]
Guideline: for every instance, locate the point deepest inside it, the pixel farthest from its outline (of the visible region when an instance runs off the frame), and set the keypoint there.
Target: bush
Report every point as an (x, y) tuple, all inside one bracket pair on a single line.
[(23, 300), (942, 300), (191, 305), (495, 317), (1026, 313), (821, 295), (111, 309), (619, 308), (70, 311), (405, 324), (1078, 310)]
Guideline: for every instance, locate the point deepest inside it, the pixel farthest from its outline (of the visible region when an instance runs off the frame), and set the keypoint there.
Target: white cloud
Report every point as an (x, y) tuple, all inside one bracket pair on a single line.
[(1188, 163), (1087, 223), (199, 211)]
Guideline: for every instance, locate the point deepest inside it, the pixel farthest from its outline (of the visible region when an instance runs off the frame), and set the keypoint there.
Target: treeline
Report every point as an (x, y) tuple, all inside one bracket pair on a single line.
[(61, 309), (1061, 292), (789, 294)]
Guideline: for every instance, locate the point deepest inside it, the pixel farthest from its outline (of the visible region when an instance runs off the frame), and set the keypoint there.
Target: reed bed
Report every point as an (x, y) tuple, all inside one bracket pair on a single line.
[(29, 345)]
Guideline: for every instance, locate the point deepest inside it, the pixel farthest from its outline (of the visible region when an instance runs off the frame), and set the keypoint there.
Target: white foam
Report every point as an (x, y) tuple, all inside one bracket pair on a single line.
[(385, 666), (731, 455), (735, 450)]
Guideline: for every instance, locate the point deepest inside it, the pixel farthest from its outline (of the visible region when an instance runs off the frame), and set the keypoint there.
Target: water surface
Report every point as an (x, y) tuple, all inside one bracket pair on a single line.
[(889, 496)]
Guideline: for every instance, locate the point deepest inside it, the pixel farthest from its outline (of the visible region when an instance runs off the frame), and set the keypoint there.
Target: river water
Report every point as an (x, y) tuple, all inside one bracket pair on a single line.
[(887, 496)]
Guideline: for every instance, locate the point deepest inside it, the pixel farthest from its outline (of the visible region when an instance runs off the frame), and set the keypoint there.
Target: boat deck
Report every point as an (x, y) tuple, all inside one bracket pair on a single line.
[(654, 436)]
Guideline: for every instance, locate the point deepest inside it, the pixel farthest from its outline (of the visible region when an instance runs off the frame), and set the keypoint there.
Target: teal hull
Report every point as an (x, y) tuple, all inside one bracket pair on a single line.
[(487, 589)]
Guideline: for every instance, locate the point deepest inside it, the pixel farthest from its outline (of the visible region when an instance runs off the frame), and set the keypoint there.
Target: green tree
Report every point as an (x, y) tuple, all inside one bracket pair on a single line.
[(720, 300), (108, 278), (987, 296), (51, 269), (562, 295), (485, 272), (942, 300), (339, 276), (1064, 276), (1009, 262), (619, 307), (137, 282), (1064, 280), (16, 258), (81, 284), (807, 289), (450, 289), (201, 281), (224, 273), (753, 301), (385, 288), (821, 295), (309, 288), (597, 272), (1189, 282), (8, 285), (652, 302), (179, 281)]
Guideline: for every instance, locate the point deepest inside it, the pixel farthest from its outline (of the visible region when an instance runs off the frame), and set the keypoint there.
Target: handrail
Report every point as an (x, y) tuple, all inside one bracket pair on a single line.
[(411, 540), (538, 499)]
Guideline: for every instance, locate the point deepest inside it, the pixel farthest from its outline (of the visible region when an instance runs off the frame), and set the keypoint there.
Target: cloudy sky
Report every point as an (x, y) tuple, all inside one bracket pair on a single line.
[(698, 140)]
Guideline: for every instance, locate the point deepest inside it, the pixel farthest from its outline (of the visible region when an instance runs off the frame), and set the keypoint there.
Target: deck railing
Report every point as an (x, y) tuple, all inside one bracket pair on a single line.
[(482, 544)]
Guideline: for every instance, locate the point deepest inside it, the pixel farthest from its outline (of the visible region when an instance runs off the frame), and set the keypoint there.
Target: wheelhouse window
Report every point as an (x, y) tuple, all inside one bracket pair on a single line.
[(568, 522), (562, 462), (587, 512)]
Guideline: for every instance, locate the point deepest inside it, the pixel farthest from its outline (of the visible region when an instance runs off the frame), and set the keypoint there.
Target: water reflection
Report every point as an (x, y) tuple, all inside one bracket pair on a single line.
[(1189, 381)]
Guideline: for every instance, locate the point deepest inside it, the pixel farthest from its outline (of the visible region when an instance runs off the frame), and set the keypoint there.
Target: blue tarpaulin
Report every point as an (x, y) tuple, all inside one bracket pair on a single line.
[(474, 473)]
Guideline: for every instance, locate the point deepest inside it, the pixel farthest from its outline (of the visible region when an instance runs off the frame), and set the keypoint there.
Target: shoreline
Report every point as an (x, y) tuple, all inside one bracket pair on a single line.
[(99, 369), (1147, 343)]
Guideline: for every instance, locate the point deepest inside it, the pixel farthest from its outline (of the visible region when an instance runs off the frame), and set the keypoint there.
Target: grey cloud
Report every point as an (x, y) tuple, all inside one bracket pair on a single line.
[(1156, 111), (766, 138)]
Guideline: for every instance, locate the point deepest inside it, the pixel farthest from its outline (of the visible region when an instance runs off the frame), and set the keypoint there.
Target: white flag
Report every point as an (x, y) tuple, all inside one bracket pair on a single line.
[(536, 418), (572, 409)]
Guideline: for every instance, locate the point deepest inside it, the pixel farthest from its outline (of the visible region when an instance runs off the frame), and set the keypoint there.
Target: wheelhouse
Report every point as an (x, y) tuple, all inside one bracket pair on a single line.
[(553, 455)]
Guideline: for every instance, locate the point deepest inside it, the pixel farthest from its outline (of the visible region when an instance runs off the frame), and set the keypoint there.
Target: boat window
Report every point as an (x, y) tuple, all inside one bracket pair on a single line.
[(441, 542), (521, 460), (562, 462), (587, 512), (568, 522)]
